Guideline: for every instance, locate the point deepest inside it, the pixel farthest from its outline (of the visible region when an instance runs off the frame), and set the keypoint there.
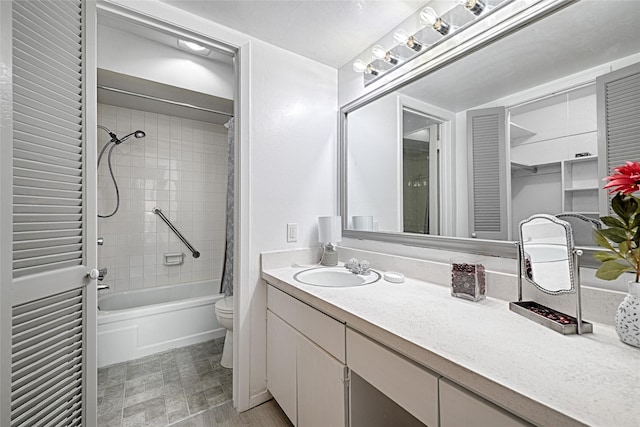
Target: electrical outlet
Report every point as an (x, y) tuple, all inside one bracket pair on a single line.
[(292, 232)]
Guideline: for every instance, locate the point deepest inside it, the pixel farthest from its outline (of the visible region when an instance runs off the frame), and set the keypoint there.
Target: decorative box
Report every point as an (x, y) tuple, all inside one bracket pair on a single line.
[(468, 279)]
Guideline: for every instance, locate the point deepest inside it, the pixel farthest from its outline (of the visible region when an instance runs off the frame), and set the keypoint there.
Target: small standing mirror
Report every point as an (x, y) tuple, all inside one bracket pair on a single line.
[(546, 245)]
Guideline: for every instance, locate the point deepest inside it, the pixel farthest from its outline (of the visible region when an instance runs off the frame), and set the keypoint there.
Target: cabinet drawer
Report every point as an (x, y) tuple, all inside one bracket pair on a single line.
[(324, 330), (460, 407), (409, 385)]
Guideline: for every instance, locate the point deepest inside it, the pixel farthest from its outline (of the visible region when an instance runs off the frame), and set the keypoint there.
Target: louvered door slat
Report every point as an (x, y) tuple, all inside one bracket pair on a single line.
[(45, 47), (51, 167), (35, 209), (43, 191), (22, 26), (29, 69), (38, 174), (45, 236), (46, 359), (67, 415), (39, 372), (18, 247), (67, 33), (46, 145), (29, 88), (44, 378), (71, 8), (48, 127), (31, 253), (38, 183), (48, 114), (37, 410)]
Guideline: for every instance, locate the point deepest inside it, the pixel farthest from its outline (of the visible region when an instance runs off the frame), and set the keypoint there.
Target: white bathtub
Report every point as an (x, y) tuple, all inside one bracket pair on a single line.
[(134, 324)]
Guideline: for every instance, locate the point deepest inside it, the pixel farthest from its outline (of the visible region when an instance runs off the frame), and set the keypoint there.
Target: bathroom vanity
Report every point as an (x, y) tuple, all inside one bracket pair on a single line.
[(346, 355)]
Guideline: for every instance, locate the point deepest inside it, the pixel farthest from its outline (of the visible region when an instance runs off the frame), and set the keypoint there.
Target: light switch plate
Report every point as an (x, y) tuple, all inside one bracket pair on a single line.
[(292, 232)]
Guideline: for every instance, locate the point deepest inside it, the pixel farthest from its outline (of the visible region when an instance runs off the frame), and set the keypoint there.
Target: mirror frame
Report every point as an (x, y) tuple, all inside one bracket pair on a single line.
[(479, 36), (570, 253)]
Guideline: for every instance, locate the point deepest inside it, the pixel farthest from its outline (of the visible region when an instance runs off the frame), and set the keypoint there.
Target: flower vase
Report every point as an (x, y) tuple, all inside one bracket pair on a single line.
[(628, 316)]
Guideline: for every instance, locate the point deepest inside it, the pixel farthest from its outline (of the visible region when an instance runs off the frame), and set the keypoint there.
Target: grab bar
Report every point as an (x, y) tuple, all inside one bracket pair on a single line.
[(158, 212)]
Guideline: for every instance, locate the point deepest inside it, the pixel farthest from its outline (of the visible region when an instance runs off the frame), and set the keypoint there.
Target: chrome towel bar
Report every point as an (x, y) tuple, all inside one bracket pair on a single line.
[(193, 250)]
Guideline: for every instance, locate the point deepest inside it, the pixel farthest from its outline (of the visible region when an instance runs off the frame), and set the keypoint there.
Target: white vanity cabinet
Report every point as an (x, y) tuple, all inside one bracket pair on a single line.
[(306, 371), (460, 407), (411, 386)]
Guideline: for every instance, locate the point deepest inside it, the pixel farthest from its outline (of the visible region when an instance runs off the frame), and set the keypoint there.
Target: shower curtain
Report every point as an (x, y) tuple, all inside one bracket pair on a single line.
[(226, 285)]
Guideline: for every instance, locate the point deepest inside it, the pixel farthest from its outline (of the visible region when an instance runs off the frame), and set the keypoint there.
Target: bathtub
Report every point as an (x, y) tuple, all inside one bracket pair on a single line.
[(134, 324)]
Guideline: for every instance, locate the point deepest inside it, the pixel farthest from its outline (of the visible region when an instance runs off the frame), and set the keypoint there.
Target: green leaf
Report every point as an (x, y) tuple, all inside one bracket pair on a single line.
[(611, 270), (624, 247), (606, 256), (619, 207), (632, 206), (614, 234), (610, 221), (600, 240)]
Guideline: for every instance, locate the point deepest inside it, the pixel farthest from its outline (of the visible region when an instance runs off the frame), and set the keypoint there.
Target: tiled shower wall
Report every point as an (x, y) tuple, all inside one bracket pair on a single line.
[(181, 167)]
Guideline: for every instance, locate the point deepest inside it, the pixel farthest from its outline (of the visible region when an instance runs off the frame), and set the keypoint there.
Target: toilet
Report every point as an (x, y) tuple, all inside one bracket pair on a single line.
[(224, 314)]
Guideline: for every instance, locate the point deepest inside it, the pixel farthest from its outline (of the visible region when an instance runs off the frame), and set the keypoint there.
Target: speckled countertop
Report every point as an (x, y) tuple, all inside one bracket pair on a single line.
[(540, 375)]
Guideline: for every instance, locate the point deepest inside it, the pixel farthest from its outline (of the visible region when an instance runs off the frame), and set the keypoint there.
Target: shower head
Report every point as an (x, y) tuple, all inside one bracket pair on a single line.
[(116, 140), (137, 134)]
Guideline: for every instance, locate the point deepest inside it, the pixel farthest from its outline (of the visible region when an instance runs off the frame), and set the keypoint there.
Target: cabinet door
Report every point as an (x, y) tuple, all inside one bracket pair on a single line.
[(281, 364), (459, 407), (321, 387)]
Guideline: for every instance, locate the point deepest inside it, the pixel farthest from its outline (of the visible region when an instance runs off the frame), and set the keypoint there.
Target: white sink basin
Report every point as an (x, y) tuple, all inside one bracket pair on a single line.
[(335, 277)]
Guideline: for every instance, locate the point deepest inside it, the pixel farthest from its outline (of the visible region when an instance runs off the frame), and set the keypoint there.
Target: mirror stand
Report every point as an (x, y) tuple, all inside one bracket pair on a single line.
[(545, 316)]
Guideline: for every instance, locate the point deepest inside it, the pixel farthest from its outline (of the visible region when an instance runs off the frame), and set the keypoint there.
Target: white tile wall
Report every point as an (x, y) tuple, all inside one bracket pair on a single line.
[(181, 167)]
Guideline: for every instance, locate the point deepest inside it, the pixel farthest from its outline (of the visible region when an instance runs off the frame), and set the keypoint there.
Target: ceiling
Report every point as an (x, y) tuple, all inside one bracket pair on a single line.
[(332, 32), (560, 45)]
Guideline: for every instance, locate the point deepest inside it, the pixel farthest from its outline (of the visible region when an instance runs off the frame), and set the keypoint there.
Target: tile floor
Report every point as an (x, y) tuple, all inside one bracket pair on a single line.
[(163, 388)]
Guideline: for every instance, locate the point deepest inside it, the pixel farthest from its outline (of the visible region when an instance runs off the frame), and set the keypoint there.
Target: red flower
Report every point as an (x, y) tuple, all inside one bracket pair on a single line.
[(626, 180)]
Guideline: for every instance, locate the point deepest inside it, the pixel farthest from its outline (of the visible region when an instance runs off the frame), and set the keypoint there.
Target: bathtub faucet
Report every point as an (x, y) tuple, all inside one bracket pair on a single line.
[(103, 287)]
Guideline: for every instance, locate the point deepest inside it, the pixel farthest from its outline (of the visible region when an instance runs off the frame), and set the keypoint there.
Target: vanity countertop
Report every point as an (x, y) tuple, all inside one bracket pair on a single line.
[(540, 375)]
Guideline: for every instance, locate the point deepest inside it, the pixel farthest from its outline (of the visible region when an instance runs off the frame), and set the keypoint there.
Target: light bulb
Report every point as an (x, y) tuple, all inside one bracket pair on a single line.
[(381, 53), (402, 37), (429, 16), (474, 6), (359, 66), (378, 52)]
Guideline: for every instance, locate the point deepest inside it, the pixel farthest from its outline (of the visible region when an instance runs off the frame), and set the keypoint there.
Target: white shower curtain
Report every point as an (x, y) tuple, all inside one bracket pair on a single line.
[(226, 285)]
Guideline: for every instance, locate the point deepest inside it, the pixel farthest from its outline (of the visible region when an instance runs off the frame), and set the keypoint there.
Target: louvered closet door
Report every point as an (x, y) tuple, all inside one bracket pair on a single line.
[(488, 187), (48, 303), (618, 95)]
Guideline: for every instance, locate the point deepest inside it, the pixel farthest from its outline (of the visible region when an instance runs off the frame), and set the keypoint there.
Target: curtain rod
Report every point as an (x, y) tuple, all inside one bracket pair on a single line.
[(166, 101)]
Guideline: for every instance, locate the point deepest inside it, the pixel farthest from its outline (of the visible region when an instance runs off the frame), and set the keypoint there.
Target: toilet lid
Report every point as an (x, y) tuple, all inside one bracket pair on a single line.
[(225, 304)]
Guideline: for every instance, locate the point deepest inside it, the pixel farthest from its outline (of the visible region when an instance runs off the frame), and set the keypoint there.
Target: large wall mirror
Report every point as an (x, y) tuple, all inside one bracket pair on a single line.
[(506, 131)]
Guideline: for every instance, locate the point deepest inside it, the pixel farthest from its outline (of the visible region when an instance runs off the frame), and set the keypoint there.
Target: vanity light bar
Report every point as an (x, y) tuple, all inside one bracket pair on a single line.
[(429, 18)]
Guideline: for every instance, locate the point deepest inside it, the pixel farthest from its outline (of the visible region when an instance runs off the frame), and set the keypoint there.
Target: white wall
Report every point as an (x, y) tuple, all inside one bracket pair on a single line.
[(287, 170), (135, 56), (180, 167)]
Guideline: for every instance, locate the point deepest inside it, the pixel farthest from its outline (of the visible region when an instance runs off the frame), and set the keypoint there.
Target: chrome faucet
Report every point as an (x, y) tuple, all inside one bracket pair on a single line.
[(356, 267)]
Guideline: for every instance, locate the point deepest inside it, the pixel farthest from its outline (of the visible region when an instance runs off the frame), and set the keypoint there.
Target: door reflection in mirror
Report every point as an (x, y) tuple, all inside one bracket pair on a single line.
[(420, 162)]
